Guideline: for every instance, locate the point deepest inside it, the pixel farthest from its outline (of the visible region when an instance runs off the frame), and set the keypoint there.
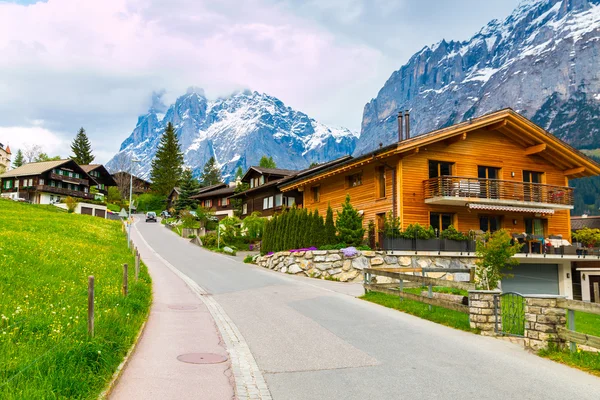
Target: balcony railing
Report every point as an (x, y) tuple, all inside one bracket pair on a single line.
[(445, 189), (67, 192), (70, 179)]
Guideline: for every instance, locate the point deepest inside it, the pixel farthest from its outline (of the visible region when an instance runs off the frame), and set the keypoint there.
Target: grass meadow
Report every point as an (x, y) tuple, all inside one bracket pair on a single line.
[(46, 256)]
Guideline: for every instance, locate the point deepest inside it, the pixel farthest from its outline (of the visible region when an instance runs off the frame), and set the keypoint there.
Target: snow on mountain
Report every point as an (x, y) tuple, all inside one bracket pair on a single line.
[(237, 130), (542, 61)]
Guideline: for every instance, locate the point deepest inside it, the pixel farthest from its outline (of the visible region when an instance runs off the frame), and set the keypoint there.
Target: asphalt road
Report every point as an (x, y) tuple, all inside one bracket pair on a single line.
[(311, 340)]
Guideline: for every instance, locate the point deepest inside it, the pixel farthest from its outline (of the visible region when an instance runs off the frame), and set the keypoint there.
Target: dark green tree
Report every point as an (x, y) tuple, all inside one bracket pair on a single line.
[(19, 159), (318, 228), (239, 172), (349, 225), (82, 149), (187, 188), (329, 234), (44, 157), (307, 229), (167, 163), (313, 164), (267, 162), (238, 203), (211, 174)]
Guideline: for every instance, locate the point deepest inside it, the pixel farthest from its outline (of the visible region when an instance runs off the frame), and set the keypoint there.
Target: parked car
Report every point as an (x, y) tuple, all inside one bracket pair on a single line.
[(165, 214), (151, 216)]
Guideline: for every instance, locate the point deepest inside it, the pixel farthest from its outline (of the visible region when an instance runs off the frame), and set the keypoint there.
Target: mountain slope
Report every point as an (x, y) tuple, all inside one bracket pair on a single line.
[(542, 61), (237, 130)]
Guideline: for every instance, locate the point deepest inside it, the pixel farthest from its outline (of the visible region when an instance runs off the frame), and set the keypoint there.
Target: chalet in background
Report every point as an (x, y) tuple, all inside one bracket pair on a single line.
[(122, 178), (217, 198), (100, 176)]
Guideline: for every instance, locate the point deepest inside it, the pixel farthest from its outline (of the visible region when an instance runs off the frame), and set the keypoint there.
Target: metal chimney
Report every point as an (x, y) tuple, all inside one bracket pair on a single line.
[(400, 127), (407, 121)]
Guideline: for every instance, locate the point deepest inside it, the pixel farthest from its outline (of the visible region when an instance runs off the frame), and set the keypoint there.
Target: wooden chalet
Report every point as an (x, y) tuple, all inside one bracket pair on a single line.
[(100, 177), (46, 182), (140, 186), (217, 199)]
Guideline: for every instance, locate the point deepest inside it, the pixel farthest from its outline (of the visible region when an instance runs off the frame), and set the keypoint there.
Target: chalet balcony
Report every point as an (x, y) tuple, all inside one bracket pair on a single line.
[(465, 191), (65, 192), (68, 179)]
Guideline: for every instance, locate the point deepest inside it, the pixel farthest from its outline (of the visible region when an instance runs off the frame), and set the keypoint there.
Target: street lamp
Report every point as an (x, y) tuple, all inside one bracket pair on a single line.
[(133, 160)]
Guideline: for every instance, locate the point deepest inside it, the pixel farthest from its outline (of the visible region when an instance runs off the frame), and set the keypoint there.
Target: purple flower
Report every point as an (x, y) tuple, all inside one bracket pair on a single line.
[(350, 252)]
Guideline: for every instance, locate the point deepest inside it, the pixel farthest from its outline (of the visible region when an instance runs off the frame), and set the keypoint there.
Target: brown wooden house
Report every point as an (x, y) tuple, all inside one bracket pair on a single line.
[(100, 177), (122, 178), (217, 199), (46, 182)]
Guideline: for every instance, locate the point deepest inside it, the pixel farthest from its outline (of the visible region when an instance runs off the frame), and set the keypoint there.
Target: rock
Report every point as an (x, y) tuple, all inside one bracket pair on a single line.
[(376, 261), (337, 264), (333, 257), (320, 252), (283, 269), (300, 254), (308, 255), (306, 264), (424, 263), (320, 258), (228, 250), (442, 262), (369, 253), (315, 273), (323, 266), (256, 258), (294, 269), (405, 261), (348, 276), (289, 261), (278, 266), (390, 259), (347, 265), (360, 263), (335, 271), (460, 277)]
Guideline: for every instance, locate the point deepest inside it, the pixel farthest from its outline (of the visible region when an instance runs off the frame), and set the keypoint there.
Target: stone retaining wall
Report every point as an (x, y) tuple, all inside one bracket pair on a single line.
[(481, 311), (333, 264), (542, 319)]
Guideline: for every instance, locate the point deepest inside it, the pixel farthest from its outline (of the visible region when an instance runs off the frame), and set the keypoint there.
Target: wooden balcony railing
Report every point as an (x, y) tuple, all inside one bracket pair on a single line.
[(495, 189), (66, 192), (64, 178)]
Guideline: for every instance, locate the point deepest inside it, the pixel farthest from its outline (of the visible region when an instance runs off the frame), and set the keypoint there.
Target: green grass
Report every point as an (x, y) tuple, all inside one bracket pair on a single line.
[(444, 316), (584, 360), (438, 289), (46, 257), (587, 323)]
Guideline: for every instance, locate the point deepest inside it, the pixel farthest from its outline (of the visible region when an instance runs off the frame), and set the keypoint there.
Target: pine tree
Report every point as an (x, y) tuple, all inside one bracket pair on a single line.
[(167, 164), (19, 159), (267, 162), (239, 172), (307, 229), (211, 174), (329, 237), (82, 149), (349, 225), (187, 188), (318, 228)]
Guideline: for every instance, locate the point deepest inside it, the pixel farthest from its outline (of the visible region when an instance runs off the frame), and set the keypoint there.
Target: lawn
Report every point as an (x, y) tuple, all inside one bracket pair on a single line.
[(587, 323), (444, 316), (584, 360), (46, 256)]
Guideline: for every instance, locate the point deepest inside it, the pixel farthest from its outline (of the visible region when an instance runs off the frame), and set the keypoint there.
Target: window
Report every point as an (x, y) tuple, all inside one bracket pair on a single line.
[(489, 189), (535, 226), (16, 183), (290, 201), (278, 200), (52, 183), (532, 192), (441, 221), (354, 180), (380, 176), (41, 181), (224, 202), (267, 203), (489, 223), (245, 208), (251, 183), (532, 177), (208, 203), (316, 193), (30, 182), (439, 168), (261, 180), (8, 184)]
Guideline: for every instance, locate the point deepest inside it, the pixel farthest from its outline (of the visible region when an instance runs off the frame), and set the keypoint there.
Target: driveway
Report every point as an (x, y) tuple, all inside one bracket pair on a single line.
[(311, 339)]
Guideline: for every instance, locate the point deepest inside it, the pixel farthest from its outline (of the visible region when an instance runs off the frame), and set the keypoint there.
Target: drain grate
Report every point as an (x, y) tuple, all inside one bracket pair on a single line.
[(202, 358), (184, 307)]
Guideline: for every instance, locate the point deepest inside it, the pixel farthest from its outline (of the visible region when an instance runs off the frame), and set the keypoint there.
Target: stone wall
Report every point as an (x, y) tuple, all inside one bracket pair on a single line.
[(333, 264), (542, 320), (481, 311)]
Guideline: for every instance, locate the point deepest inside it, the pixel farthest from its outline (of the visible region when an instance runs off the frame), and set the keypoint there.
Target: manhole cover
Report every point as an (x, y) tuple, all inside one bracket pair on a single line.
[(201, 358), (183, 307)]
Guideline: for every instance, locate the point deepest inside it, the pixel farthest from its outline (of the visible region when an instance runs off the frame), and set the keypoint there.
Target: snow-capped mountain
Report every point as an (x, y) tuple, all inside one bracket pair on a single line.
[(543, 61), (237, 130)]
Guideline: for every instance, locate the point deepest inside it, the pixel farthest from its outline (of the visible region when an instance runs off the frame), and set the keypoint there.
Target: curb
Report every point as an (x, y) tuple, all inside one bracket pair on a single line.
[(117, 375)]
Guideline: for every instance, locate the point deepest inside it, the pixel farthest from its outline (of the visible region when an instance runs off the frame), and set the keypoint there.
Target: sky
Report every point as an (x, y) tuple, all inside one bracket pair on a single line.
[(67, 64)]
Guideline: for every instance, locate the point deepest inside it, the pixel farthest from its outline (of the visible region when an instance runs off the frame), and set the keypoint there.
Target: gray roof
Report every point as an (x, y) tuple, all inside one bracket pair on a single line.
[(33, 168), (224, 192), (585, 222)]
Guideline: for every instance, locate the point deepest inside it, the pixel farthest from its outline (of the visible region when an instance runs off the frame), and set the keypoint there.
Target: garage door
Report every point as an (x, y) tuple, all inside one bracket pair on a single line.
[(532, 279), (86, 210), (100, 213)]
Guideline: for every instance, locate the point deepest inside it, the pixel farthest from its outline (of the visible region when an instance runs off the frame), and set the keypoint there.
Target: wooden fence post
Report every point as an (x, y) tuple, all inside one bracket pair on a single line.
[(125, 286), (91, 306), (137, 266), (596, 293), (471, 275)]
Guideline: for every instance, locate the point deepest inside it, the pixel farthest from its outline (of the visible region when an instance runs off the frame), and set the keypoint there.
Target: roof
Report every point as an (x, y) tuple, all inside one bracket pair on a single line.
[(8, 149), (176, 190), (210, 188), (223, 192), (508, 122), (134, 177), (270, 171), (585, 222), (264, 186), (34, 168), (91, 167)]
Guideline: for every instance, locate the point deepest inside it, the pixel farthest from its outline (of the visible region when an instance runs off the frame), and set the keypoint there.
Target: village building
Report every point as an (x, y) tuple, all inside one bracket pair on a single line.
[(102, 179), (4, 158), (122, 178), (217, 199), (496, 171)]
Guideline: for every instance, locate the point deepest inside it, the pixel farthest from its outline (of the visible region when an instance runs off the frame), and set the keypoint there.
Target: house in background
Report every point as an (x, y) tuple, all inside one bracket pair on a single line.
[(585, 272), (123, 178), (4, 158), (217, 199), (173, 197), (100, 177), (46, 182), (496, 171)]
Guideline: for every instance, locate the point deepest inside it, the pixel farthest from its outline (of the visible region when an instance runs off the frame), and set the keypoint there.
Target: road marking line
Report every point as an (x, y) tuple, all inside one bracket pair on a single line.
[(249, 381)]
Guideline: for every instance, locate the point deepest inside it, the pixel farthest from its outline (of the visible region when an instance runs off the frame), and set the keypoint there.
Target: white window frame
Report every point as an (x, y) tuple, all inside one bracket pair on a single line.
[(224, 202), (291, 201), (245, 208), (278, 200), (41, 181), (261, 180)]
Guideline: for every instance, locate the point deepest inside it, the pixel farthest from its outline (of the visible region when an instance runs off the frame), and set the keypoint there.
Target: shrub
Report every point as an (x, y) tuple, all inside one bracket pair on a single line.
[(349, 224), (254, 225), (71, 204), (248, 259), (330, 237), (230, 228), (416, 231), (210, 240), (587, 236), (371, 234), (451, 233), (188, 219), (494, 255), (191, 236), (392, 227), (150, 201)]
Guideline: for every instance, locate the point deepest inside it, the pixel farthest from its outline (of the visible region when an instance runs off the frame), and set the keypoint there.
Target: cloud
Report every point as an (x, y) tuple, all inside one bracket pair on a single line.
[(20, 137)]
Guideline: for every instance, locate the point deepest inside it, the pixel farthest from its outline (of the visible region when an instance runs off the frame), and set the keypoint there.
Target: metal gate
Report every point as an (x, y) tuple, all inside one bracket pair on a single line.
[(509, 310)]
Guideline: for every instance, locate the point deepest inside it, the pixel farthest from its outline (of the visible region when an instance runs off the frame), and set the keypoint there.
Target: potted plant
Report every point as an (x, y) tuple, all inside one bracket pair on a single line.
[(425, 238), (453, 240), (393, 237)]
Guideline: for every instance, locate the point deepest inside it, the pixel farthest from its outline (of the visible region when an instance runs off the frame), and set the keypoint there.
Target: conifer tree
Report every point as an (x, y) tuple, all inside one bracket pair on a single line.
[(307, 229), (267, 162), (349, 225), (82, 149), (319, 230), (187, 188), (167, 163), (211, 174), (264, 243), (19, 159), (330, 237), (239, 173)]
